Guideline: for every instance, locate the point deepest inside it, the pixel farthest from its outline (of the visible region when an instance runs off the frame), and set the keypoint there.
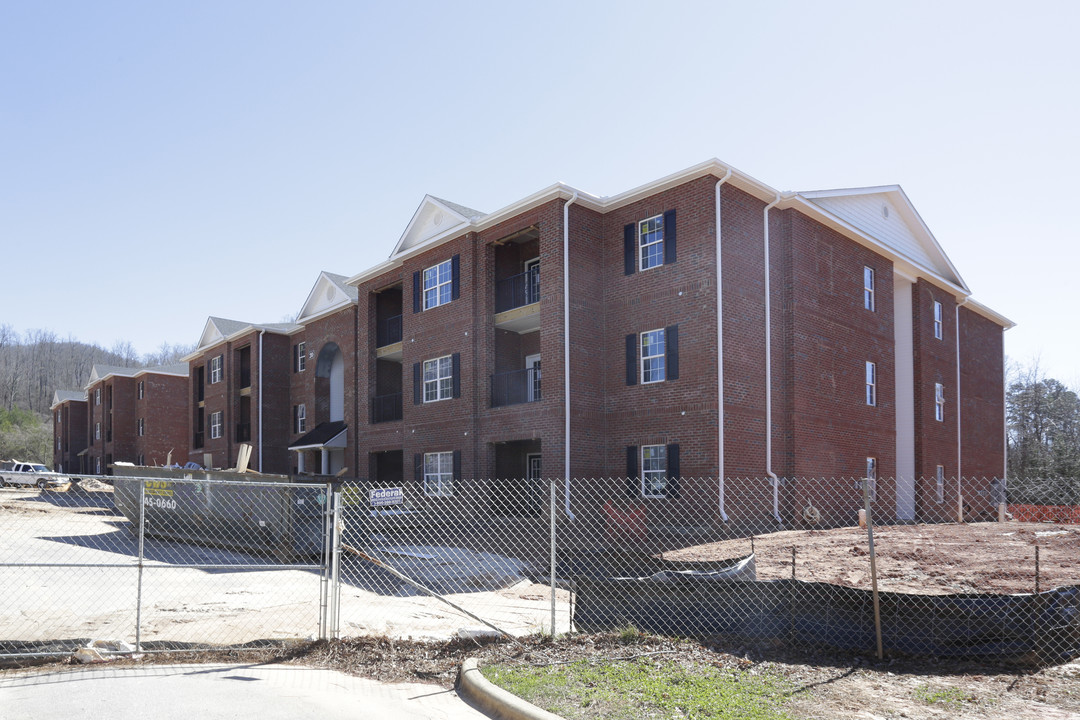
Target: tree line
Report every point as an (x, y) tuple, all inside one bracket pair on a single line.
[(34, 364)]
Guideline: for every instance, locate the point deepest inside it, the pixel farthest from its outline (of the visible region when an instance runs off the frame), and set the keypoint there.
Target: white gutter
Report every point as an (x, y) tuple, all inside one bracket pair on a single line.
[(261, 333), (720, 353), (566, 349), (768, 374), (959, 426)]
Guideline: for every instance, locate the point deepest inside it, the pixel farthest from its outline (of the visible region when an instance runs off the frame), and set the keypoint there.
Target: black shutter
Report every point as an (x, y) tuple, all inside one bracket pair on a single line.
[(457, 466), (416, 307), (669, 237), (630, 248), (631, 359), (673, 473), (417, 384), (296, 358), (456, 373), (671, 352), (633, 482), (455, 277), (295, 417), (418, 470)]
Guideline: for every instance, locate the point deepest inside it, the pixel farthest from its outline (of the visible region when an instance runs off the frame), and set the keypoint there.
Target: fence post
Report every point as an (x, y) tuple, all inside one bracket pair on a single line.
[(873, 565), (324, 580), (551, 513), (138, 594), (335, 586)]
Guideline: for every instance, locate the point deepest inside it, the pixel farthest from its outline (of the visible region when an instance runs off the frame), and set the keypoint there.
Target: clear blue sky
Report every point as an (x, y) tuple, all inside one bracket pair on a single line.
[(163, 162)]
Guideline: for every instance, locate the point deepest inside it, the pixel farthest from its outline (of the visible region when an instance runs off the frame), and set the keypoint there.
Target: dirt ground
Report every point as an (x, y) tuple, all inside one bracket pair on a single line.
[(929, 559)]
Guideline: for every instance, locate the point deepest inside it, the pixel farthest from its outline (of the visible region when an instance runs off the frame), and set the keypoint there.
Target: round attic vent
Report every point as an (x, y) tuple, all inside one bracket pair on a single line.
[(329, 294), (884, 210), (437, 219)]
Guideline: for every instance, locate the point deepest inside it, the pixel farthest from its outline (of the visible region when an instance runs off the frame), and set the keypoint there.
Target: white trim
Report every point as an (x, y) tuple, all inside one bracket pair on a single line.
[(437, 380), (642, 357), (438, 286), (641, 246), (871, 383), (645, 473), (442, 488)]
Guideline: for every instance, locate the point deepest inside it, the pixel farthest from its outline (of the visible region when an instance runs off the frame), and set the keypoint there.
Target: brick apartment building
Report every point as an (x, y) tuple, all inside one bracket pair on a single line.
[(848, 346), (69, 430), (134, 415)]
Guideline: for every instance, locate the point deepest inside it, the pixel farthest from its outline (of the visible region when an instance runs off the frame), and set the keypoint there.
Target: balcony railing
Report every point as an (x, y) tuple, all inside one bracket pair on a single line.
[(516, 386), (388, 331), (197, 441), (518, 291), (243, 432), (386, 408)]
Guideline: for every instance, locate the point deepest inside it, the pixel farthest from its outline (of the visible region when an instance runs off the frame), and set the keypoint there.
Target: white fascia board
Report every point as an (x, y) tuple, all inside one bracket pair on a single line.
[(990, 314), (300, 326), (333, 308), (712, 166), (429, 200), (373, 271), (155, 371), (907, 265)]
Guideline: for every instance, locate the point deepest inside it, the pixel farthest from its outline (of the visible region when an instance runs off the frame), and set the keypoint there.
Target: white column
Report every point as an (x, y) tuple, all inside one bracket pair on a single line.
[(300, 462), (325, 460)]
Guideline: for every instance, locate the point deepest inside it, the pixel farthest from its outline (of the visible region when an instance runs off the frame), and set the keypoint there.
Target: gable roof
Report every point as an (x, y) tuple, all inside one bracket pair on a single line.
[(218, 330), (434, 220), (886, 214), (331, 292), (63, 396), (101, 372)]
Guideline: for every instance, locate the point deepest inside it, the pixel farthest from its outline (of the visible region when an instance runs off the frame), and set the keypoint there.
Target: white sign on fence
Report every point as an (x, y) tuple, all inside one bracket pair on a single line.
[(386, 496)]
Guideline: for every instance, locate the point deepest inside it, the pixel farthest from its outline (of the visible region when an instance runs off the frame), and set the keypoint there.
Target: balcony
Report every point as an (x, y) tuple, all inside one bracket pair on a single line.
[(386, 408), (515, 387), (243, 432), (388, 338), (517, 301)]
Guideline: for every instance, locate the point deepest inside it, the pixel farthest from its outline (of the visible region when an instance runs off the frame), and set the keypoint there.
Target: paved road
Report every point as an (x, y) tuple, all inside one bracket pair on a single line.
[(220, 692)]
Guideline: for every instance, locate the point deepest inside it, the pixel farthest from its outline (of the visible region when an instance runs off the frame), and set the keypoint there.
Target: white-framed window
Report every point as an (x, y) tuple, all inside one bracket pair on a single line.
[(142, 389), (937, 320), (97, 431), (140, 427), (871, 478), (140, 460), (654, 470), (215, 425), (97, 396), (868, 288), (57, 443), (301, 418), (651, 242), (438, 284), (940, 489), (215, 369), (57, 417), (439, 379), (653, 349), (939, 402), (98, 466), (439, 474), (301, 356), (871, 383)]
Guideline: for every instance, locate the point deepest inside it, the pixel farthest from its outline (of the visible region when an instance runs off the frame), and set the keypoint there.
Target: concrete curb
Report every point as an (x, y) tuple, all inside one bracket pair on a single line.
[(493, 700)]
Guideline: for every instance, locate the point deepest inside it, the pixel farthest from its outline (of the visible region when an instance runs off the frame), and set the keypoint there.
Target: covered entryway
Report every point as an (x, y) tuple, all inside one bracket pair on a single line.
[(518, 490), (322, 451)]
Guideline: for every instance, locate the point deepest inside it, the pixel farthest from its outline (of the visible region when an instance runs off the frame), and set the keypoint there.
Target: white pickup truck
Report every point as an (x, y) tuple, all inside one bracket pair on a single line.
[(31, 474)]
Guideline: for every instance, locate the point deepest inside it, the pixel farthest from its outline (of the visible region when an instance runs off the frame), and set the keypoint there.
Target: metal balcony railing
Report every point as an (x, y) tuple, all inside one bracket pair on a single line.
[(386, 408), (518, 291), (516, 386), (388, 331)]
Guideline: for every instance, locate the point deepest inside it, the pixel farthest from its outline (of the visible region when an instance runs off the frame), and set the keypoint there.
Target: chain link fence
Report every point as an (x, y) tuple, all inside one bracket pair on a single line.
[(937, 566)]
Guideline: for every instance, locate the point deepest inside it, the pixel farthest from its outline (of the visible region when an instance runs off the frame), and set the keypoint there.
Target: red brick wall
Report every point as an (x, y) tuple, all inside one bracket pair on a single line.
[(163, 407)]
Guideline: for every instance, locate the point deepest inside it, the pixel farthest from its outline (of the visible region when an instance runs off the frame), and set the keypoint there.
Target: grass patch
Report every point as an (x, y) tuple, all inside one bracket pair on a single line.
[(644, 688), (947, 696)]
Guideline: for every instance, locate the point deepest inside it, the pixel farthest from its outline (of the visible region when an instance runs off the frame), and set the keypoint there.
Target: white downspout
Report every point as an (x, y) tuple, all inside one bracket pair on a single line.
[(768, 375), (720, 353), (261, 333), (566, 351), (959, 437)]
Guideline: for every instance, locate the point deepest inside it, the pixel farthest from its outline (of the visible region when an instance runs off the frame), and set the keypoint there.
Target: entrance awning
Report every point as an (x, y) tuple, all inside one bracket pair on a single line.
[(82, 452), (326, 435)]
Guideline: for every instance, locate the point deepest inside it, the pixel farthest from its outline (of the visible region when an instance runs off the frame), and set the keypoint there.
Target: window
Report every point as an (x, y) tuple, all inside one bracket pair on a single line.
[(651, 242), (97, 396), (868, 288), (439, 474), (140, 460), (871, 478), (438, 379), (937, 320), (142, 389), (871, 383), (97, 431), (215, 425), (652, 356), (140, 427), (215, 369), (437, 285), (57, 443), (300, 418), (940, 496), (301, 356), (654, 470), (939, 402), (98, 466), (57, 417)]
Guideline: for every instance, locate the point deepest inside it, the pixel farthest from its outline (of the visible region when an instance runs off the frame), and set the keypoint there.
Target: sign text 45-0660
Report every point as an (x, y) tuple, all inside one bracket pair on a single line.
[(160, 503)]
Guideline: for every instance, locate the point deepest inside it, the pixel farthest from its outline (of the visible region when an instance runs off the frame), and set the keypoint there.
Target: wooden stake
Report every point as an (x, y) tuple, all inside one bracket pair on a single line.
[(873, 566)]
